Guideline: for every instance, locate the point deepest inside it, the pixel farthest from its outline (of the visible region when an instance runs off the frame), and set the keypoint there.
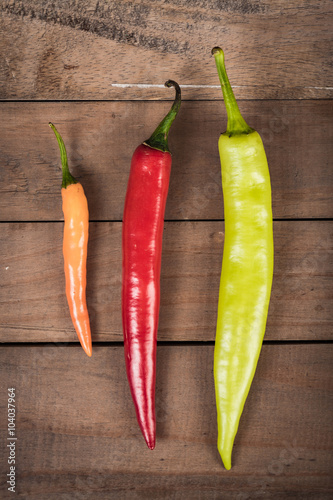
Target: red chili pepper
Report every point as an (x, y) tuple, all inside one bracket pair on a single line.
[(143, 223)]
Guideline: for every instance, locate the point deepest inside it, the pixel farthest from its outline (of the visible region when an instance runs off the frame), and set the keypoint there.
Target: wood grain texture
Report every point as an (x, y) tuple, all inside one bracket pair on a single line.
[(77, 433), (79, 50), (33, 305), (101, 138), (78, 436)]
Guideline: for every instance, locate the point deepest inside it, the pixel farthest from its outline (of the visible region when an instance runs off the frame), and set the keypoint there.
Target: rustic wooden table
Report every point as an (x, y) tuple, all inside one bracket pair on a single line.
[(96, 69)]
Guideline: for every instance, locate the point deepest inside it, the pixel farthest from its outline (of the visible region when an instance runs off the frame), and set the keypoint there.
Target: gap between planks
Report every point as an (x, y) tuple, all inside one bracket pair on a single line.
[(305, 219), (161, 343)]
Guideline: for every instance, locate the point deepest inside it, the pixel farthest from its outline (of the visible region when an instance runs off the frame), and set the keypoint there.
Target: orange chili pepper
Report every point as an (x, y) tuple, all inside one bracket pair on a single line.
[(75, 243)]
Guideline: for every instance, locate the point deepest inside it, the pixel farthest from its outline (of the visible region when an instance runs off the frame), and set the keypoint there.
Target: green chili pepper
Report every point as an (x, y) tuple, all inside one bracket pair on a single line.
[(247, 267)]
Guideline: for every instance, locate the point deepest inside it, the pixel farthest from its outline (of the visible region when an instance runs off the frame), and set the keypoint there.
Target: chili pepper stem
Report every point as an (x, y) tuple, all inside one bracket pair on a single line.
[(159, 138), (67, 178), (236, 123)]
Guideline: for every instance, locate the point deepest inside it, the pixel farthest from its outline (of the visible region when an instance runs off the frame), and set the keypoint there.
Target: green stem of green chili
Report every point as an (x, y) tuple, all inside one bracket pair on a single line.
[(236, 123), (67, 177), (159, 138)]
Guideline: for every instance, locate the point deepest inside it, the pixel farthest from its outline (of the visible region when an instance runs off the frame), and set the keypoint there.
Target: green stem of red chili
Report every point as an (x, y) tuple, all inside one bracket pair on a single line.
[(159, 138)]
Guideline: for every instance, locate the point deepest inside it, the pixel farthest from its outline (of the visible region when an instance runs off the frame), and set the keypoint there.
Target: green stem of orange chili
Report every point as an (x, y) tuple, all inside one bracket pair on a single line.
[(67, 177)]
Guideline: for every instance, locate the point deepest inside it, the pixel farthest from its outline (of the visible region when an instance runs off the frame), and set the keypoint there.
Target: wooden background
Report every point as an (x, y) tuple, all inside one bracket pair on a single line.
[(97, 69)]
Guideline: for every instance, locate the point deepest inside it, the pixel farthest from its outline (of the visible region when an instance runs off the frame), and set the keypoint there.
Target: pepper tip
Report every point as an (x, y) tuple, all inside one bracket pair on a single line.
[(150, 438), (226, 458), (87, 349), (151, 445)]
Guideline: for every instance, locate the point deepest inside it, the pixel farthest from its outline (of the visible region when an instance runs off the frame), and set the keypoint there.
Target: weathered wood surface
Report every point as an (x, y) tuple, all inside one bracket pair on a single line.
[(33, 305), (77, 435), (82, 49), (101, 138)]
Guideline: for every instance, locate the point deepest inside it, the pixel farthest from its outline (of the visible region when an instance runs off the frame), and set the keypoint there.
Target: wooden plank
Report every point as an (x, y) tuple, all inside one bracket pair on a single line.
[(77, 435), (101, 138), (80, 50), (33, 305)]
